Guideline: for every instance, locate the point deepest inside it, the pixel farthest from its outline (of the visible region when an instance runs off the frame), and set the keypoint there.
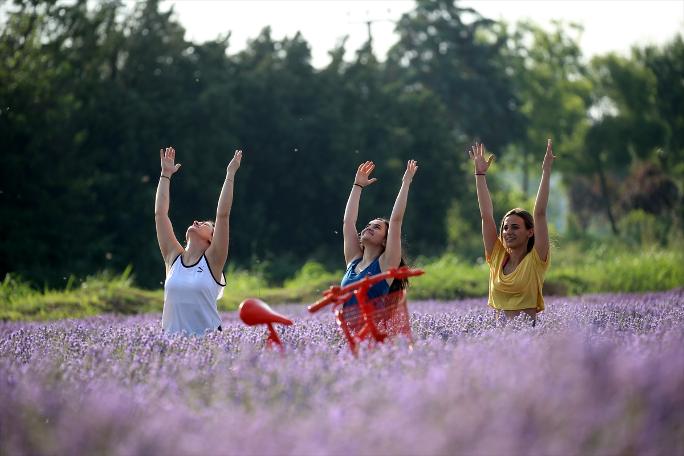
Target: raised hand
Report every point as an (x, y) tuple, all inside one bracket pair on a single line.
[(168, 158), (548, 157), (476, 153), (234, 163), (411, 168), (363, 174)]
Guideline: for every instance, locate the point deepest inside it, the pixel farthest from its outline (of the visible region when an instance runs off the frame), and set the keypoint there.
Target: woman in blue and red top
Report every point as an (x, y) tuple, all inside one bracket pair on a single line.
[(378, 247)]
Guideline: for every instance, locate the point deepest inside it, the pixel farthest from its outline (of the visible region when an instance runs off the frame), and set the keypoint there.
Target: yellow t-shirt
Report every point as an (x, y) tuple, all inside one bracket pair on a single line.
[(522, 288)]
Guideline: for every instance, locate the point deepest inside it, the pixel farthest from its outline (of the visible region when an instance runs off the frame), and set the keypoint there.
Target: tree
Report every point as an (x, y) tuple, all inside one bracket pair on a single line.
[(49, 72), (551, 80), (667, 65), (626, 126), (459, 55)]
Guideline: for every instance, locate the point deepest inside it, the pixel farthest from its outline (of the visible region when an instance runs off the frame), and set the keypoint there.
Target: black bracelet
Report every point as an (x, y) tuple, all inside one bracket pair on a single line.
[(165, 177), (358, 185), (480, 174)]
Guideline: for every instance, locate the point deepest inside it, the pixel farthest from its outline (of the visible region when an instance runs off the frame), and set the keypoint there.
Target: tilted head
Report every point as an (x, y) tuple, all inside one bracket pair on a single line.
[(517, 228), (200, 231), (375, 233)]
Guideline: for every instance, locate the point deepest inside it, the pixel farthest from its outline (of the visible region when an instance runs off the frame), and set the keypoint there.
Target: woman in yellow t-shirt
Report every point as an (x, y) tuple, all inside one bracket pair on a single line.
[(519, 256)]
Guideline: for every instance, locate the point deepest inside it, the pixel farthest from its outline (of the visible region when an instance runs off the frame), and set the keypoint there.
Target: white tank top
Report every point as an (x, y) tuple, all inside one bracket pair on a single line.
[(190, 295)]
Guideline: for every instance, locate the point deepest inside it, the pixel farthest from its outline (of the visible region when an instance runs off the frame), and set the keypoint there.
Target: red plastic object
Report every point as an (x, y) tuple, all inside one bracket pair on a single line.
[(256, 312), (372, 319)]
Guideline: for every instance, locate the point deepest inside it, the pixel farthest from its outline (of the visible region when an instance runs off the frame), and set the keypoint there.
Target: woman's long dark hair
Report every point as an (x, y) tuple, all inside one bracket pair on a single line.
[(397, 284)]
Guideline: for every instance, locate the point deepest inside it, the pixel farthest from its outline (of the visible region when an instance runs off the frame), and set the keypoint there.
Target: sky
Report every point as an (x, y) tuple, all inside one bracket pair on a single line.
[(609, 25)]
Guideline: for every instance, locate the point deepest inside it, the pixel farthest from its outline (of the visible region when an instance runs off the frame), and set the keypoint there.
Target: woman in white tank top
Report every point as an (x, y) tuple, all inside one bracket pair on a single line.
[(194, 274)]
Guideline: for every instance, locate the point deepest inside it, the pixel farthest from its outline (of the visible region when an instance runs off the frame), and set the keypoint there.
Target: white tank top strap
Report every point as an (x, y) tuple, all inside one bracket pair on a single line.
[(213, 276)]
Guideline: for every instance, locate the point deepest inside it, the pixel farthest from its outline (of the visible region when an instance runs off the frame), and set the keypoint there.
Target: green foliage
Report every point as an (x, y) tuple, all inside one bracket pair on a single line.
[(667, 65), (555, 92), (90, 90), (460, 56), (313, 275), (241, 281), (449, 277), (101, 293), (575, 268), (616, 268), (641, 228), (305, 286)]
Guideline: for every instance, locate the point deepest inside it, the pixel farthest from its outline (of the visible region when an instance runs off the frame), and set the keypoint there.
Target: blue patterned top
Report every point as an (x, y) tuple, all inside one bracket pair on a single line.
[(379, 289)]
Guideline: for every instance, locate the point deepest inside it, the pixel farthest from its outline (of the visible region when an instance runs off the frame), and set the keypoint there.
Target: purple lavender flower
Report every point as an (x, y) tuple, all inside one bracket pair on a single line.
[(599, 374)]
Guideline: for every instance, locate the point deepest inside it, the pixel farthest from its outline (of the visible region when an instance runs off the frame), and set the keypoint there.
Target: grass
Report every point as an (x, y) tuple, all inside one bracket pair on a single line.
[(574, 270), (449, 277), (102, 293), (613, 270)]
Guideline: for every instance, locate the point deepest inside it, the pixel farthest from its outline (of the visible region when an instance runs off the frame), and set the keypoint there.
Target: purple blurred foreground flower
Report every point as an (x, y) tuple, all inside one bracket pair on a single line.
[(600, 374)]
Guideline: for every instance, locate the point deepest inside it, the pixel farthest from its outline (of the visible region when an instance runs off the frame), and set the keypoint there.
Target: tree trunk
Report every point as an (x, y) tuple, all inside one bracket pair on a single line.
[(607, 203), (526, 172)]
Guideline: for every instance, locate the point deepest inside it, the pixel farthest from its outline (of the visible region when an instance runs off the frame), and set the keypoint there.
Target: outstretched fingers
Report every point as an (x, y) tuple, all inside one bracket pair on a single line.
[(168, 164), (549, 157), (363, 174), (411, 168), (477, 155), (476, 151), (367, 167), (549, 148), (235, 162)]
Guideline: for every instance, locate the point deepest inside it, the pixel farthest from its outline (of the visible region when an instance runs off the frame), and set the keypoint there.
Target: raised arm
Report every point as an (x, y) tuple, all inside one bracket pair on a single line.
[(392, 255), (217, 253), (541, 227), (168, 244), (484, 199), (352, 248)]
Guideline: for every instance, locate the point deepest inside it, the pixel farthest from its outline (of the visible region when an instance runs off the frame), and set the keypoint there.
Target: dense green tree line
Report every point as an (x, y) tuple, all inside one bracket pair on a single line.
[(90, 91)]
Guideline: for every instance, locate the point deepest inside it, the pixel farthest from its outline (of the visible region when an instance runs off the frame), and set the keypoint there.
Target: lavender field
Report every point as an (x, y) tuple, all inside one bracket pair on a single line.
[(600, 374)]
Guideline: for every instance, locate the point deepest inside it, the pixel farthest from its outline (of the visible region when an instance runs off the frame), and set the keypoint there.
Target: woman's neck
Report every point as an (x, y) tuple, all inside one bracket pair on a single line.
[(517, 254), (370, 253), (195, 249)]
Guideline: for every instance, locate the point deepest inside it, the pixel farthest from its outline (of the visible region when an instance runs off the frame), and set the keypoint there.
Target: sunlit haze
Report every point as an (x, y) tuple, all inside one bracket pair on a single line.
[(608, 25)]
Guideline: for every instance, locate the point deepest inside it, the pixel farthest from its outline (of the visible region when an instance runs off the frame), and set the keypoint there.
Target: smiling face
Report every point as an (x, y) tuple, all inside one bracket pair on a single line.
[(200, 231), (517, 229), (374, 233)]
